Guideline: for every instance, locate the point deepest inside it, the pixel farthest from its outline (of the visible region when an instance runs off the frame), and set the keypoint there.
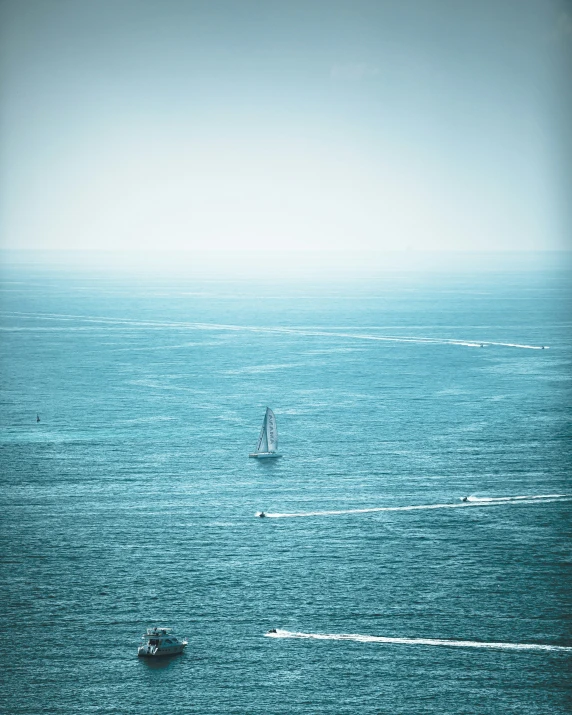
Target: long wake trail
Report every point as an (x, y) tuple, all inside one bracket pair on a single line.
[(471, 502), (418, 641), (274, 330)]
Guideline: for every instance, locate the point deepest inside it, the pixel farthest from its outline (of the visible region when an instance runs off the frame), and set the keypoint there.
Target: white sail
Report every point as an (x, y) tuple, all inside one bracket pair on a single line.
[(262, 445), (268, 441), (271, 431)]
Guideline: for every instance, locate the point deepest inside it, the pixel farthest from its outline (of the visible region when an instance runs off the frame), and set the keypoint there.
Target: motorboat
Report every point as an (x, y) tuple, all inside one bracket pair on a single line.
[(160, 641)]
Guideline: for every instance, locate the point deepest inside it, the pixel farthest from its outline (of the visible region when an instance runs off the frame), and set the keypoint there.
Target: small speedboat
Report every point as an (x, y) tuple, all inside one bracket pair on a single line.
[(160, 641), (464, 498), (262, 515)]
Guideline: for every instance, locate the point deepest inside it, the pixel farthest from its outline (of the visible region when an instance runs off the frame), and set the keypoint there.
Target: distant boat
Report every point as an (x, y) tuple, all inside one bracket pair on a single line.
[(268, 441), (37, 418), (160, 641)]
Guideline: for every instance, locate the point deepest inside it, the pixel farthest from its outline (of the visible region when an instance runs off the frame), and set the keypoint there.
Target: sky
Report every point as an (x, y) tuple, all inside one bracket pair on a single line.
[(264, 125)]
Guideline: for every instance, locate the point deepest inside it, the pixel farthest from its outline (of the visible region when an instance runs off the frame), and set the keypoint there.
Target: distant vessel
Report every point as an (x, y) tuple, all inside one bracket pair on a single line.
[(268, 441), (160, 641), (37, 418)]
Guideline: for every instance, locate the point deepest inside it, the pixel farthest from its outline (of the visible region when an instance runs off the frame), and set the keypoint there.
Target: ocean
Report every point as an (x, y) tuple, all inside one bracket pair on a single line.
[(132, 502)]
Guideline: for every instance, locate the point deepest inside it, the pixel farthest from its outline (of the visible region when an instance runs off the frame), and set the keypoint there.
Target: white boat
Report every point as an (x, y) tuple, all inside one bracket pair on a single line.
[(268, 441), (160, 641)]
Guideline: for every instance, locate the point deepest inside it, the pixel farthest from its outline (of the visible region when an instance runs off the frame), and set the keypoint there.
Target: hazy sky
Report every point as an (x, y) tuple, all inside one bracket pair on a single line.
[(303, 124)]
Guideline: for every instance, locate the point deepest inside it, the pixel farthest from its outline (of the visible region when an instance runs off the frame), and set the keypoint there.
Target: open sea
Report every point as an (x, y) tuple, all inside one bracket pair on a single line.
[(132, 502)]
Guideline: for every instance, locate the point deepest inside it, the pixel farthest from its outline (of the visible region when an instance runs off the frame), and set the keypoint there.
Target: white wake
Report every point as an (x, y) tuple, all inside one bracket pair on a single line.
[(471, 502), (104, 320), (418, 641)]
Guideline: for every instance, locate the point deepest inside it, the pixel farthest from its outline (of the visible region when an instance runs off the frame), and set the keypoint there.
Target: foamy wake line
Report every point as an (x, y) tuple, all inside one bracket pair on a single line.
[(418, 641), (472, 502), (500, 500), (104, 320)]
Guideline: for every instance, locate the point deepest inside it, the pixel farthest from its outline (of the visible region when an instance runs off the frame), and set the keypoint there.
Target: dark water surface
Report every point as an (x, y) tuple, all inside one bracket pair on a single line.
[(132, 502)]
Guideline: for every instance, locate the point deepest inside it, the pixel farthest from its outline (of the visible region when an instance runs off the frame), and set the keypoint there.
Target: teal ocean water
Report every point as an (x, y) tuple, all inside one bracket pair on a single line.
[(132, 502)]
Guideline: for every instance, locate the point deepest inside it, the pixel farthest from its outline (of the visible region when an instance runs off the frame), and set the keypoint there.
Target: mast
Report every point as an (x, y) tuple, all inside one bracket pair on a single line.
[(262, 445)]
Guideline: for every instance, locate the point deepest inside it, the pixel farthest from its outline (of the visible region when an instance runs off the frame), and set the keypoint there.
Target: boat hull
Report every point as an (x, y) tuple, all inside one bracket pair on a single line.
[(265, 455), (145, 652)]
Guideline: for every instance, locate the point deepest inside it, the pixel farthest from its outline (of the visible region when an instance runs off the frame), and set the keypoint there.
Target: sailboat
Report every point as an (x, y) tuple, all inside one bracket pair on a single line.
[(268, 440)]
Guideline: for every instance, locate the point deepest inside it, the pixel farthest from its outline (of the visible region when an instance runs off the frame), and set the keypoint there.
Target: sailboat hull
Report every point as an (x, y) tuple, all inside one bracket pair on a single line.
[(265, 455)]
